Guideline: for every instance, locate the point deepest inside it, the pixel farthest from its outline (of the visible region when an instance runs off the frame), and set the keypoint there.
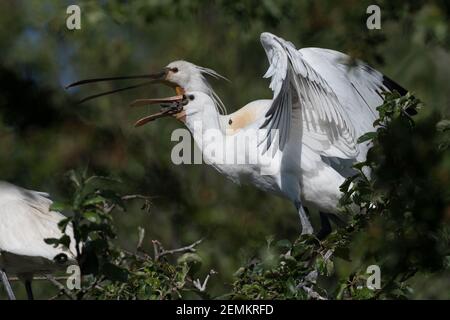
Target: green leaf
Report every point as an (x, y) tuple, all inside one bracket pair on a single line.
[(59, 206), (114, 198), (290, 285), (329, 265), (63, 223), (443, 125), (91, 216), (115, 273), (284, 243), (190, 258), (94, 179), (346, 184), (52, 241), (366, 137), (65, 241), (94, 201)]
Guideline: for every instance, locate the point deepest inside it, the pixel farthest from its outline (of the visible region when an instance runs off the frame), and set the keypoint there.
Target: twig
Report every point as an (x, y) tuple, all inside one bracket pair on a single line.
[(313, 294), (62, 289), (141, 236), (310, 278), (147, 200), (159, 251), (136, 196), (38, 278), (59, 294)]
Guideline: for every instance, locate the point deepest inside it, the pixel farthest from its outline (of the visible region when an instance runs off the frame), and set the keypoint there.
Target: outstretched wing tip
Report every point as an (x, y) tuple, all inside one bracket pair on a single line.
[(297, 85)]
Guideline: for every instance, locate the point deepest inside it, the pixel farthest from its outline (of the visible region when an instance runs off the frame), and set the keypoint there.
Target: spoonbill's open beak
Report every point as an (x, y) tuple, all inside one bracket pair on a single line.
[(171, 106), (159, 77)]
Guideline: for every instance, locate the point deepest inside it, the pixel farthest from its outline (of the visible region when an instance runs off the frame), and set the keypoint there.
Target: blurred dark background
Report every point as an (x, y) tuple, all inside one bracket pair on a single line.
[(44, 133)]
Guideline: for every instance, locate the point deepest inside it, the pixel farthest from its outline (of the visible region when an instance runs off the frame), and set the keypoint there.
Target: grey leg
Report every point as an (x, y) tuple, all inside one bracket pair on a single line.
[(29, 290), (7, 285), (306, 225)]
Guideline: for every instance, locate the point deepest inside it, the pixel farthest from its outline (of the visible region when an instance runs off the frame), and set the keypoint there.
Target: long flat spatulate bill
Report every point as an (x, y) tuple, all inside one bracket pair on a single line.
[(154, 76)]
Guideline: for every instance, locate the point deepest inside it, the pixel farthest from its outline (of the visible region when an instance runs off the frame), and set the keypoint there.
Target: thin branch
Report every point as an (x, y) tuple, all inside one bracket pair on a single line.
[(62, 289), (311, 279), (313, 294), (57, 296), (159, 250), (155, 249), (39, 278), (141, 237), (147, 201), (136, 196)]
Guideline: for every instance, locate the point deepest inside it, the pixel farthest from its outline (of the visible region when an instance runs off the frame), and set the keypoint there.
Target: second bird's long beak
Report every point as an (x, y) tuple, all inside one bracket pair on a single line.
[(171, 106)]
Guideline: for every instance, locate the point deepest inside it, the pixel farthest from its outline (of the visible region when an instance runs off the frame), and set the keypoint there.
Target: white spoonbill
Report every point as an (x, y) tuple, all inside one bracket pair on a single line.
[(322, 102), (25, 221)]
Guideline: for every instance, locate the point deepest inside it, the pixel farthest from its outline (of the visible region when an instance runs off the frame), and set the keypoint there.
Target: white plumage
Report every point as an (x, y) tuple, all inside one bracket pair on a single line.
[(323, 100), (25, 221)]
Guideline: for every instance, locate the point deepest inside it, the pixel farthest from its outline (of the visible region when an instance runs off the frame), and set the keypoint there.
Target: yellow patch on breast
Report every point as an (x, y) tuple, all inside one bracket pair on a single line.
[(242, 118)]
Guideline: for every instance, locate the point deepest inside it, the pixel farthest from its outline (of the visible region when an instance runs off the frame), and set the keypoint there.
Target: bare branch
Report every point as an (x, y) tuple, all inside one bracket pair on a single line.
[(57, 296), (156, 244), (39, 278), (147, 201), (311, 279), (313, 294), (140, 238), (62, 289), (159, 250)]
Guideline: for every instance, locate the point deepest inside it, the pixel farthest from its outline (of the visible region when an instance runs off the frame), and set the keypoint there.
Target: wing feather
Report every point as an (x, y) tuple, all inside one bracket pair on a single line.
[(297, 87)]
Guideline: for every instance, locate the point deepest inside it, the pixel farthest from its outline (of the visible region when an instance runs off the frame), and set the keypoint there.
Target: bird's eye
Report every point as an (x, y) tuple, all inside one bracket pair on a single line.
[(174, 70), (191, 97)]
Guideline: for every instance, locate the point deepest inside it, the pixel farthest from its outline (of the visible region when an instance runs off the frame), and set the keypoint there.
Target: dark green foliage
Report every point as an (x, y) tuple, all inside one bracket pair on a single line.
[(91, 219), (110, 272), (44, 133), (402, 224), (408, 194), (397, 204), (150, 279)]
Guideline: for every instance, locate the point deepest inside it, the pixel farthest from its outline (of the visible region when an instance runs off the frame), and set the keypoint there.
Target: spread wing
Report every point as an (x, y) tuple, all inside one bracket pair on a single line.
[(300, 91), (358, 86)]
